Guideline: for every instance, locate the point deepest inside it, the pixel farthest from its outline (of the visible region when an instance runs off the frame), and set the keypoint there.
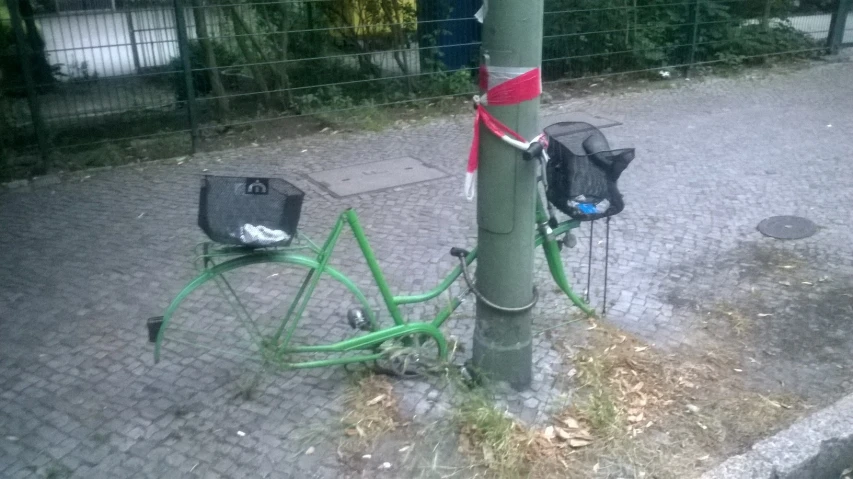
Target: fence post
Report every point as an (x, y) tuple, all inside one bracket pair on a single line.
[(132, 34), (26, 55), (695, 37), (838, 25), (184, 52)]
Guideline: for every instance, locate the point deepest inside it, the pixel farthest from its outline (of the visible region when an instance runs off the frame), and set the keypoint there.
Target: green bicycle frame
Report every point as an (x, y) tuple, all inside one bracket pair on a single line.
[(369, 342)]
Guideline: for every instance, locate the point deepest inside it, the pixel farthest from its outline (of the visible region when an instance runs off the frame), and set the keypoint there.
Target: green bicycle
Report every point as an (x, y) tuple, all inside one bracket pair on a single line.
[(253, 224)]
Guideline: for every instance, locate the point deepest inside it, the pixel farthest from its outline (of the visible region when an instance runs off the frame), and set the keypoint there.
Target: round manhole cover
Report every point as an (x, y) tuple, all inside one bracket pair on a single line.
[(787, 227)]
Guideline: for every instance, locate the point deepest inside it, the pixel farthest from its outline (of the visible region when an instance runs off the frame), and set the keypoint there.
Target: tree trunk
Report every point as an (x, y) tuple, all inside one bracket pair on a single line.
[(283, 47), (391, 9), (209, 59), (765, 19), (242, 33)]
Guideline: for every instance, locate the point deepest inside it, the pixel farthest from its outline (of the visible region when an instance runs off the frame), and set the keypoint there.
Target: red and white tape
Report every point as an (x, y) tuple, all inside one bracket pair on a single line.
[(502, 86)]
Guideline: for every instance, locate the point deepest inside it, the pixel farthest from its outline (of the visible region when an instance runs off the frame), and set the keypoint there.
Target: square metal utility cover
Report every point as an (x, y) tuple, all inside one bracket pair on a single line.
[(379, 175), (596, 121)]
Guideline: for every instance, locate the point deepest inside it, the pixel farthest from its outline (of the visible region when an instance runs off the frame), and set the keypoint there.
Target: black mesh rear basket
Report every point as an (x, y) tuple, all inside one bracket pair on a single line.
[(255, 212), (583, 171)]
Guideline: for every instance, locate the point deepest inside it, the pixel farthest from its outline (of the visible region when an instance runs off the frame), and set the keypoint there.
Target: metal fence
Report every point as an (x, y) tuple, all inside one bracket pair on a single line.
[(111, 75)]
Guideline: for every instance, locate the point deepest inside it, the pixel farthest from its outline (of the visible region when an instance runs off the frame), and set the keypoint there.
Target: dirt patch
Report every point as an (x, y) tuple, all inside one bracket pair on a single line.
[(125, 138), (639, 412), (635, 411), (784, 312), (371, 411)]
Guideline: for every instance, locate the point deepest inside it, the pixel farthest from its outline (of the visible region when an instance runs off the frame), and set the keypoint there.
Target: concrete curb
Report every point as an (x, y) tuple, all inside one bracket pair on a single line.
[(819, 446)]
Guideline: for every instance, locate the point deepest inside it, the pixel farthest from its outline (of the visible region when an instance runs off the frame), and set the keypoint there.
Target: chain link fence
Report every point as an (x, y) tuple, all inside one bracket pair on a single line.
[(108, 80)]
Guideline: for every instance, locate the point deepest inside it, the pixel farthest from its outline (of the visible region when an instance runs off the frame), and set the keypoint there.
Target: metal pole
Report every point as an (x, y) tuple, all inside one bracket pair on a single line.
[(838, 25), (132, 34), (695, 37), (184, 51), (27, 56), (512, 37)]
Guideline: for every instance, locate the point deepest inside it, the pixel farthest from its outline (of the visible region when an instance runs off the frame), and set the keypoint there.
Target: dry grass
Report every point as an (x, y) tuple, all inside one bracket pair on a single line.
[(637, 413), (371, 411), (738, 323), (496, 441)]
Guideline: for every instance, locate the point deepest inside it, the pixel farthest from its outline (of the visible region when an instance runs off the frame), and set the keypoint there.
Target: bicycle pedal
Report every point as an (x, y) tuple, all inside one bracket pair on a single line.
[(357, 319), (569, 241), (154, 325)]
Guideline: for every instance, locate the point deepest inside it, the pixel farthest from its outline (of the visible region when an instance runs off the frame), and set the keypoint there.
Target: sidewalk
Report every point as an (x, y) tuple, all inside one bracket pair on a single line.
[(85, 261)]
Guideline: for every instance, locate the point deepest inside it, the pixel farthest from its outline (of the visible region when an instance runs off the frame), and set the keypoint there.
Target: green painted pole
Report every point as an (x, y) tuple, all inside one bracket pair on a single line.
[(512, 38)]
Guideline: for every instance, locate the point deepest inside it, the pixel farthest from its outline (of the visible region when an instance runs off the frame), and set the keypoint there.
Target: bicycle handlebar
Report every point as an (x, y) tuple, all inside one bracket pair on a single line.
[(532, 149)]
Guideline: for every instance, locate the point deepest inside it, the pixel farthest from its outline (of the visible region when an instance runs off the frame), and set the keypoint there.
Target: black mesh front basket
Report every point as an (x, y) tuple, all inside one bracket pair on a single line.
[(255, 212), (583, 171)]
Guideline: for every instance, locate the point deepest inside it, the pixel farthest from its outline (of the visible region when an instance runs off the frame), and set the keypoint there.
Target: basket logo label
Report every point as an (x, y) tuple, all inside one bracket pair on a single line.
[(257, 186)]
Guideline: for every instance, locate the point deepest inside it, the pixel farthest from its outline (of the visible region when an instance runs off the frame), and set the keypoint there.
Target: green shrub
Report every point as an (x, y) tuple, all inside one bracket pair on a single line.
[(591, 37), (752, 43)]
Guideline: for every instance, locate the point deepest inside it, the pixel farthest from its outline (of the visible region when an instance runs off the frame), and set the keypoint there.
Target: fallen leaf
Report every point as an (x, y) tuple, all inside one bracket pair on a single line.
[(738, 370), (571, 423), (309, 451), (807, 282), (693, 408), (704, 427), (375, 400), (241, 433), (640, 349), (775, 404), (595, 467), (404, 448), (579, 443), (385, 465), (705, 457), (572, 373), (637, 387), (635, 419), (563, 434), (640, 401), (488, 455), (592, 327), (787, 266), (785, 283), (366, 456), (548, 433), (764, 315)]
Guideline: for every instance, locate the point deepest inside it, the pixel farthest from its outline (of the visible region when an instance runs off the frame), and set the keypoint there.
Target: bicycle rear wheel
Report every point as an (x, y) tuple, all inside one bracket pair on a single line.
[(244, 309)]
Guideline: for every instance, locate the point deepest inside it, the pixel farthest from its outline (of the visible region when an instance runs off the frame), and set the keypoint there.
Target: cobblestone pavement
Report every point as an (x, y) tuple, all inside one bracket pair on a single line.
[(84, 261)]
